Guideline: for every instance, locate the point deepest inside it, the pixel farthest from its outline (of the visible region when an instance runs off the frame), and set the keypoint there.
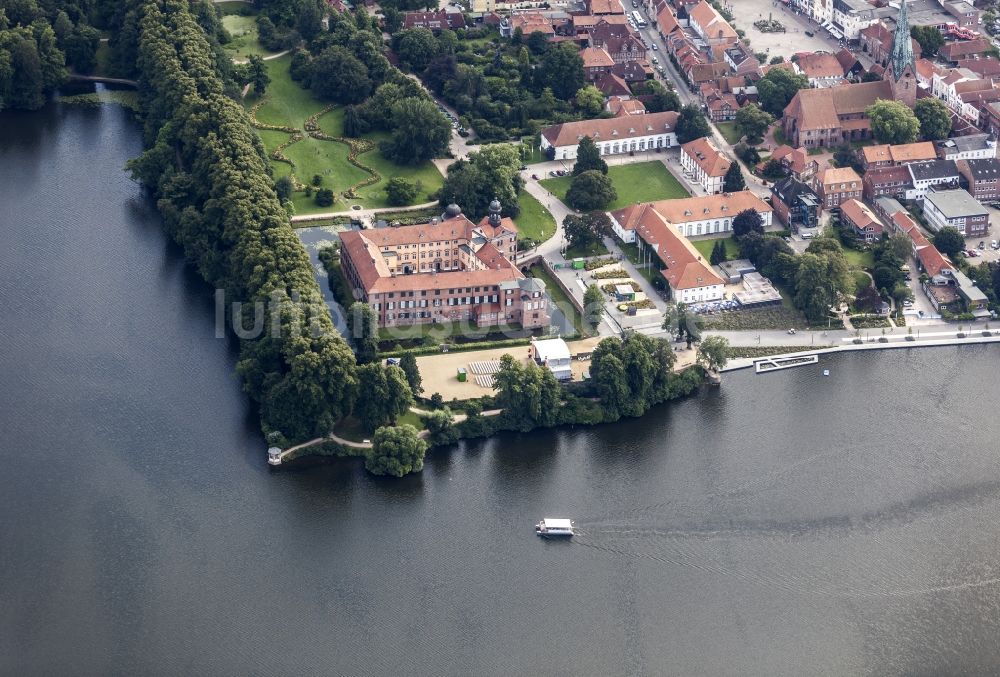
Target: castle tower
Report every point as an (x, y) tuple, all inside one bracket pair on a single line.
[(902, 70)]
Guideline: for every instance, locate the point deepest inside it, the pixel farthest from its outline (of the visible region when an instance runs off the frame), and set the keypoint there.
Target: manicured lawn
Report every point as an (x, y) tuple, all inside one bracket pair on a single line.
[(862, 260), (641, 182), (243, 33), (290, 105), (287, 103), (534, 222), (705, 247), (729, 131), (426, 173)]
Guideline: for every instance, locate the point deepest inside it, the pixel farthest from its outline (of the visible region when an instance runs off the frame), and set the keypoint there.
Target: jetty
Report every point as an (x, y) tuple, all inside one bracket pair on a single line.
[(768, 364)]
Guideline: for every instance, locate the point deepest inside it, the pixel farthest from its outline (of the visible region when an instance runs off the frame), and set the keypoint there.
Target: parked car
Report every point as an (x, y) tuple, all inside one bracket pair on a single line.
[(655, 48), (907, 303), (810, 33), (534, 176), (972, 253), (981, 245), (655, 60), (994, 245), (553, 173), (523, 167)]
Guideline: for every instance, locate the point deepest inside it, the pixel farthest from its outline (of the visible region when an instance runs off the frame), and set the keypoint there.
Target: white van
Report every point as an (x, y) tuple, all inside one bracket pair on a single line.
[(808, 236), (994, 245)]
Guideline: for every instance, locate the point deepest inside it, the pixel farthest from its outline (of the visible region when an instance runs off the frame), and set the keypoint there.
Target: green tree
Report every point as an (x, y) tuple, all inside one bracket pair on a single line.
[(415, 47), (408, 363), (929, 38), (631, 374), (682, 323), (733, 180), (949, 241), (528, 394), (283, 187), (590, 190), (472, 183), (258, 75), (337, 75), (589, 100), (713, 353), (324, 197), (747, 221), (396, 451), (440, 426), (562, 70), (420, 132), (593, 307), (355, 124), (719, 254), (584, 231), (691, 124), (588, 157), (363, 325), (893, 122), (400, 192), (753, 121), (660, 98), (383, 395), (393, 20), (776, 90), (934, 118)]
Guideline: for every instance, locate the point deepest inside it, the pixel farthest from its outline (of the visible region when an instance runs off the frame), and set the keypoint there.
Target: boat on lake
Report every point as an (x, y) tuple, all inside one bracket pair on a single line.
[(555, 528)]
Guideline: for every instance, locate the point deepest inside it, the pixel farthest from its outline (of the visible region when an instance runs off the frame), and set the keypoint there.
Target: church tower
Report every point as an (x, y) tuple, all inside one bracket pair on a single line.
[(902, 70)]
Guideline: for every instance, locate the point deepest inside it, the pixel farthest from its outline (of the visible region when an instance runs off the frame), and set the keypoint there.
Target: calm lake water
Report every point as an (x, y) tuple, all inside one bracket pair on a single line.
[(785, 524)]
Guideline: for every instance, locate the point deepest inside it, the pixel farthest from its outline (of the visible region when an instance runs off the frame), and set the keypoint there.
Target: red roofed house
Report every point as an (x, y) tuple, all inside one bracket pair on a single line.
[(596, 61), (435, 21), (710, 26), (837, 185), (443, 271), (706, 163), (702, 215), (620, 107), (823, 70), (861, 219)]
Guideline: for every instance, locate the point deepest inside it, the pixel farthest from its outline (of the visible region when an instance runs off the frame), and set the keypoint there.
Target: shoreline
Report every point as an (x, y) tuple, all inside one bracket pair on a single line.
[(893, 343)]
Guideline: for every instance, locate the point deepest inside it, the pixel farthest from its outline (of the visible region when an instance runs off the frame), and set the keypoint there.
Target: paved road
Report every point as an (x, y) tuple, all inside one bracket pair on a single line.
[(360, 214)]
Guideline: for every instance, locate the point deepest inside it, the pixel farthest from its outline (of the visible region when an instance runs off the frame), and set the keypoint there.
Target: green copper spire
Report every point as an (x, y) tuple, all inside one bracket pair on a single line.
[(902, 48)]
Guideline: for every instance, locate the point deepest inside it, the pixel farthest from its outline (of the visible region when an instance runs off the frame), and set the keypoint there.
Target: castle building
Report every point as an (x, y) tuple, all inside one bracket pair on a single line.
[(448, 270)]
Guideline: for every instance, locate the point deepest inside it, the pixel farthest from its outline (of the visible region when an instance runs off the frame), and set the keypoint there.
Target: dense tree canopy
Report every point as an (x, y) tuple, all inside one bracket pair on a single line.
[(337, 75), (632, 374), (748, 220), (949, 241), (591, 190), (419, 133), (692, 124), (208, 169), (396, 451), (529, 392), (753, 122), (893, 122), (934, 117), (929, 38), (562, 70), (383, 395), (776, 89), (472, 183)]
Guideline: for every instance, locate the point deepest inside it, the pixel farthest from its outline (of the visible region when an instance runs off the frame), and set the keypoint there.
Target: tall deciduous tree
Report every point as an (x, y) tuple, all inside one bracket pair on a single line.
[(589, 100), (776, 89), (528, 394), (562, 70), (893, 122), (472, 183), (934, 118), (752, 121), (396, 451), (408, 363), (383, 395), (593, 307), (419, 133), (337, 75), (591, 190), (363, 325), (415, 47), (929, 38), (713, 353), (747, 221), (692, 124), (949, 241)]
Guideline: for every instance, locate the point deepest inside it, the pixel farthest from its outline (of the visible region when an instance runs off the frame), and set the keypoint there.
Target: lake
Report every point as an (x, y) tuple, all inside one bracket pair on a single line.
[(783, 524)]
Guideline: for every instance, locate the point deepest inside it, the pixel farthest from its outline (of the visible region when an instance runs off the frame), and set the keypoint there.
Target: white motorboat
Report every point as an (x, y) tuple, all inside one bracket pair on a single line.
[(552, 528)]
